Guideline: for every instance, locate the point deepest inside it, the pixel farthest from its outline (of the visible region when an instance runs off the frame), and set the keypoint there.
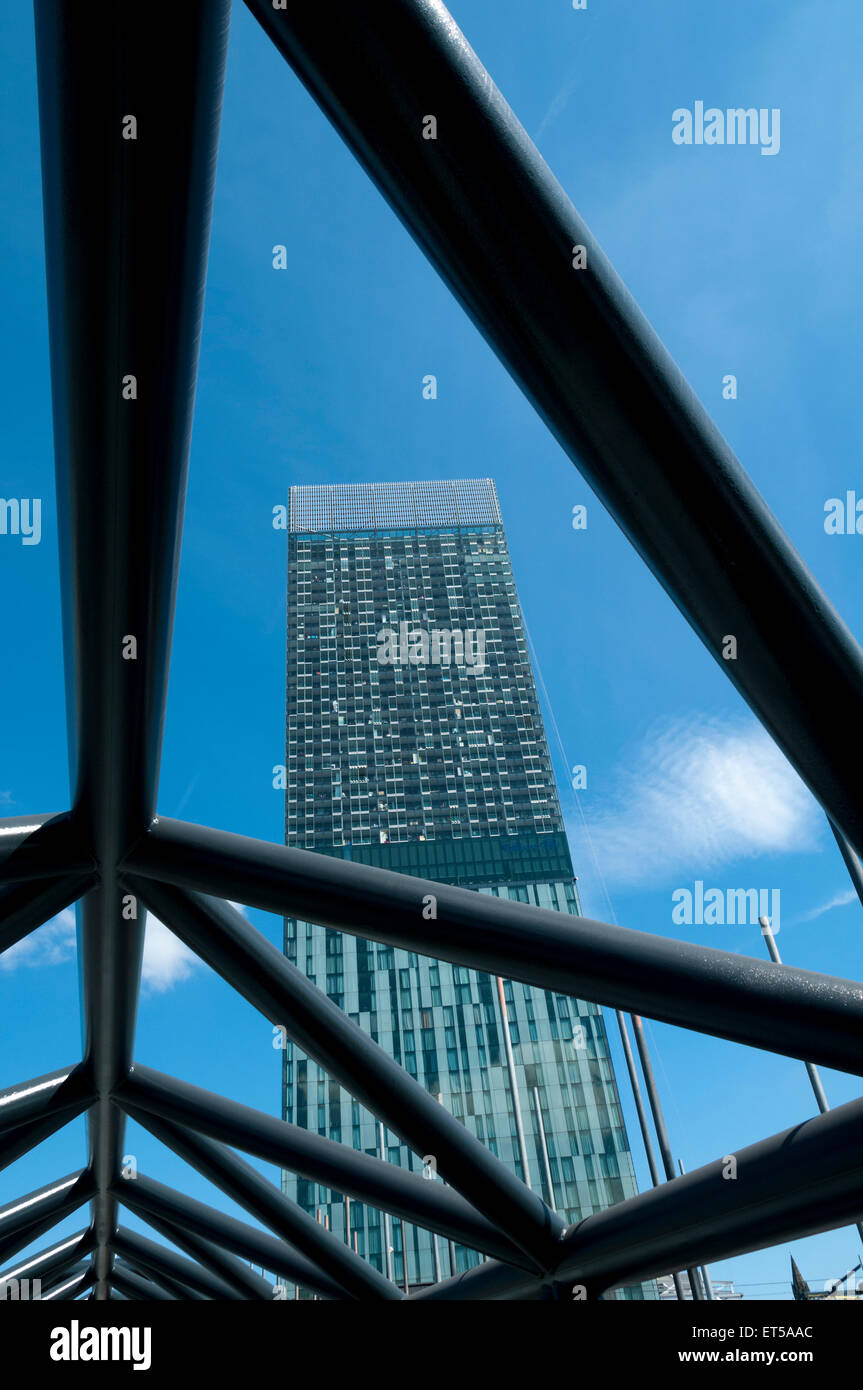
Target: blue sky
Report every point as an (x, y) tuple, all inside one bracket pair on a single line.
[(743, 264)]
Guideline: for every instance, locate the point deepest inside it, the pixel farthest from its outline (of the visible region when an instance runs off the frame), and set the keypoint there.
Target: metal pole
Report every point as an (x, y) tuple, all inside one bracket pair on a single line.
[(513, 1084), (543, 1148), (643, 1123), (450, 1242), (404, 1258), (811, 1071), (388, 1254), (706, 1283), (852, 863), (661, 1131), (636, 1096)]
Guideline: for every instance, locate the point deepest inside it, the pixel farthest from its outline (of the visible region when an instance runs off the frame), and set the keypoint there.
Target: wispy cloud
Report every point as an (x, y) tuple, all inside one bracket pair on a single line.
[(6, 799), (167, 961), (48, 945), (697, 795), (559, 104), (185, 797), (840, 900)]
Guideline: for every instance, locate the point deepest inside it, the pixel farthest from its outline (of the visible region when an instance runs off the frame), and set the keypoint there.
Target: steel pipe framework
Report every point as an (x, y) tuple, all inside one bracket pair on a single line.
[(126, 231)]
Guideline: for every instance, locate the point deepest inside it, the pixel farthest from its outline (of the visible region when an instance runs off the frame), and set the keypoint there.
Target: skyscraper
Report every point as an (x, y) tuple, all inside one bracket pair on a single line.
[(415, 742)]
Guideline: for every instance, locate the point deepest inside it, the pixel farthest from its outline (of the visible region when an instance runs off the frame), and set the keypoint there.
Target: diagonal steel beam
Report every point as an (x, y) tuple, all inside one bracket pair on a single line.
[(244, 957), (26, 906), (229, 1270), (565, 326), (66, 1092), (72, 1284), (852, 863), (34, 847), (161, 1260), (245, 1185), (359, 1175), (798, 1183), (25, 1218), (137, 1287), (796, 1012), (53, 1261), (20, 1140), (150, 1199), (182, 1291), (127, 213)]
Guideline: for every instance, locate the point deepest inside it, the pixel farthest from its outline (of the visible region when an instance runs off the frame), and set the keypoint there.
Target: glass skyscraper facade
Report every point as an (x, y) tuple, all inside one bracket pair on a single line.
[(415, 742)]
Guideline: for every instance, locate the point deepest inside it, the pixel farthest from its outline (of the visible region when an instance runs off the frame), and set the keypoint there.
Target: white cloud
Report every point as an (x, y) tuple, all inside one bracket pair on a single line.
[(697, 795), (167, 961), (840, 900), (48, 945)]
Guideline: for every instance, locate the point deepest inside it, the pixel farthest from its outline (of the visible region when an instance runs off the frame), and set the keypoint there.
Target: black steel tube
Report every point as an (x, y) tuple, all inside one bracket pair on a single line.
[(26, 906), (126, 230), (48, 1264), (161, 1260), (20, 1140), (382, 1185), (497, 226), (236, 1276), (65, 1092), (150, 1199), (852, 863), (797, 1183), (171, 1285), (137, 1287), (244, 957), (25, 1218), (799, 1013), (70, 1284), (244, 1185), (33, 847)]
